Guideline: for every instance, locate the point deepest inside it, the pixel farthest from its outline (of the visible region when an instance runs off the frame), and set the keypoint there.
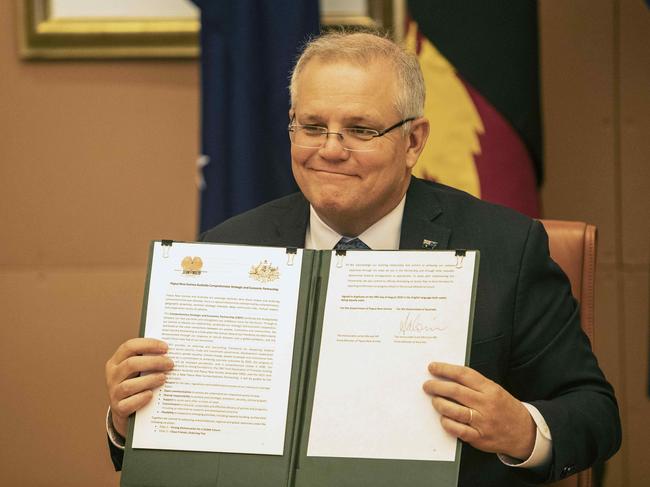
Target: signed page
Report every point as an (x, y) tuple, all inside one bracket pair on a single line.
[(387, 315), (228, 314)]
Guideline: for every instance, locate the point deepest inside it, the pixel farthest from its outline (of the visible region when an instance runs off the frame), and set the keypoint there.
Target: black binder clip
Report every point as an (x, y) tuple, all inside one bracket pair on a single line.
[(291, 254), (166, 247), (340, 255), (460, 255)]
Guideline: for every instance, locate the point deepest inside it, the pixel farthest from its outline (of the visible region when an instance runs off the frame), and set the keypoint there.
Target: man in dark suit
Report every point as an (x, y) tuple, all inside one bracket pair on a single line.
[(534, 405)]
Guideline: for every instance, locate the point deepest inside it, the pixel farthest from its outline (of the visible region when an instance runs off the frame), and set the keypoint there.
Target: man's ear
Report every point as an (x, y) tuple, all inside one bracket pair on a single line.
[(417, 138)]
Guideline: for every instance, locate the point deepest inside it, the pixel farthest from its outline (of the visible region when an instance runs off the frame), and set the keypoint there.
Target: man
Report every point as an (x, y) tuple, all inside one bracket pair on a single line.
[(533, 406)]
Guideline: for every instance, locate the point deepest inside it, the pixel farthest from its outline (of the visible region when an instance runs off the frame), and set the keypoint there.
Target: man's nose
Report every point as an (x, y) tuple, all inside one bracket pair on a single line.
[(332, 147)]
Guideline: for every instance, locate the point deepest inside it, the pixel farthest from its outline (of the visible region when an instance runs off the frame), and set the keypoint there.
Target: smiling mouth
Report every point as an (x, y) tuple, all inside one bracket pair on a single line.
[(333, 173)]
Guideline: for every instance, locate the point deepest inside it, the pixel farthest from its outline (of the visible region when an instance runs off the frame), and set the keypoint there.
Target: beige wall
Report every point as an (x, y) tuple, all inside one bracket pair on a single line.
[(596, 105), (97, 158)]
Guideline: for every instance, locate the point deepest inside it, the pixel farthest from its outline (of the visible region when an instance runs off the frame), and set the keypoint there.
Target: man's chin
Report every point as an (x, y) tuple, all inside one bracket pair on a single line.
[(330, 206), (334, 207)]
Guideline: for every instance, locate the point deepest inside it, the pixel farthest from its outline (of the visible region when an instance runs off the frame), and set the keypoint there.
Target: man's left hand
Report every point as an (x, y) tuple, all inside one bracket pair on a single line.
[(480, 412)]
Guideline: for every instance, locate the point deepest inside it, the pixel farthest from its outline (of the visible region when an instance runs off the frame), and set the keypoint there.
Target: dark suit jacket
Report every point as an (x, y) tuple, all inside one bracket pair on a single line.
[(527, 334)]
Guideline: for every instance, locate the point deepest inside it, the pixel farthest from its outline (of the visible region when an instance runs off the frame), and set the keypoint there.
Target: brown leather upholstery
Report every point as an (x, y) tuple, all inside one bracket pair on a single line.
[(573, 247)]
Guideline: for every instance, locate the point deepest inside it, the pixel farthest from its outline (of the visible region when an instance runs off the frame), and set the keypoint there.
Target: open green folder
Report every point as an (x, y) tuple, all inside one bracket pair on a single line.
[(295, 467)]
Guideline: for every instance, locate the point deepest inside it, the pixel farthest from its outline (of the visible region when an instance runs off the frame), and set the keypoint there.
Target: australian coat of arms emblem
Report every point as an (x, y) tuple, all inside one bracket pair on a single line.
[(264, 272)]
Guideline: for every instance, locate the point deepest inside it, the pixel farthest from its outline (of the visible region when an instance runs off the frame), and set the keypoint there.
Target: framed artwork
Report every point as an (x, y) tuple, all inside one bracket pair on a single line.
[(86, 29), (63, 29)]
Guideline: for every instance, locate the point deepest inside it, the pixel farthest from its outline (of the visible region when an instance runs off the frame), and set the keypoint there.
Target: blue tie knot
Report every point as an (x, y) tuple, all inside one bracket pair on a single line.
[(347, 243)]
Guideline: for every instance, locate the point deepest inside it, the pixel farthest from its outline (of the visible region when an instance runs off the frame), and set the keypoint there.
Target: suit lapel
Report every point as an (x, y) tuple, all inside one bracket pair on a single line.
[(418, 224), (290, 223)]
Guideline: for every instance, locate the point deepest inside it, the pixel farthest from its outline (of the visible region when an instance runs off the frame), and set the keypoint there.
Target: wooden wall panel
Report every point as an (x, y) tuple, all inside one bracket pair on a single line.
[(634, 88), (58, 328), (577, 65), (84, 144), (634, 133), (595, 79)]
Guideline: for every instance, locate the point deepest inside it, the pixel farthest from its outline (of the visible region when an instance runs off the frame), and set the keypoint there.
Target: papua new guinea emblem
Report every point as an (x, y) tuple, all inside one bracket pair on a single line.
[(192, 265), (264, 272)]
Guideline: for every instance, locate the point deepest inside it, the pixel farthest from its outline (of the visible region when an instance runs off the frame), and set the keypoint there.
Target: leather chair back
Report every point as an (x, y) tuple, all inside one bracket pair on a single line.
[(573, 247)]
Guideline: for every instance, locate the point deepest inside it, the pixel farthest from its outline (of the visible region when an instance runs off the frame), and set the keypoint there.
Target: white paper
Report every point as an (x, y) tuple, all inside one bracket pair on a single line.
[(229, 320), (387, 316)]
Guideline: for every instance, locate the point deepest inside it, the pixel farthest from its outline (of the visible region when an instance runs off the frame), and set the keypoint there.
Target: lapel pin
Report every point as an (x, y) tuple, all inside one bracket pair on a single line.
[(429, 244)]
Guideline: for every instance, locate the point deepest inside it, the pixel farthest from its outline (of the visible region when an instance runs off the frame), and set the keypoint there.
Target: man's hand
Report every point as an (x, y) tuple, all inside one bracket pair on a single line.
[(480, 412), (127, 390)]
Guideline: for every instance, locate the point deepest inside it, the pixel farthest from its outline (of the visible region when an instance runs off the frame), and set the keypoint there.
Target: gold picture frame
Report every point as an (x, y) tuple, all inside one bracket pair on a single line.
[(43, 37)]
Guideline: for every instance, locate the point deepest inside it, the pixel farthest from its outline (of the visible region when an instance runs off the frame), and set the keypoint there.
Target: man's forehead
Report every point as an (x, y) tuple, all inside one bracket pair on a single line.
[(349, 91), (347, 118)]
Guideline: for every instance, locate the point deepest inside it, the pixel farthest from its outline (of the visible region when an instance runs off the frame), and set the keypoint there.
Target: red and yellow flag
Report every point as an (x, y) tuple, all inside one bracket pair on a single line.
[(475, 142)]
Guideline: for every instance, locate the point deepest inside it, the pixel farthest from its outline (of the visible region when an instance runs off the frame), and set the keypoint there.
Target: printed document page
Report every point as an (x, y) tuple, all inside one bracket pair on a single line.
[(228, 314), (387, 316)]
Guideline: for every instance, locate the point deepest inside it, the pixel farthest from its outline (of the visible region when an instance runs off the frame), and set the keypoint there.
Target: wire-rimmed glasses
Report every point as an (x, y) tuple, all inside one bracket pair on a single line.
[(355, 139)]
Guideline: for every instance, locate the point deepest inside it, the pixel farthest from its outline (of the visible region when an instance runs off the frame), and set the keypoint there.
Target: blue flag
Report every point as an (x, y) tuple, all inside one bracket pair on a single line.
[(248, 48)]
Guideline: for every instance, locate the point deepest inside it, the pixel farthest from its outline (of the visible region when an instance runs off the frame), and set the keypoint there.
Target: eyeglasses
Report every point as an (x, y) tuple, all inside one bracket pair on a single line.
[(355, 139)]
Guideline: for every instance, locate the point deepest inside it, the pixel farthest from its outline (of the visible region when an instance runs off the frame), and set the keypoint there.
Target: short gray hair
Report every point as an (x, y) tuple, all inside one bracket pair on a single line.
[(362, 48)]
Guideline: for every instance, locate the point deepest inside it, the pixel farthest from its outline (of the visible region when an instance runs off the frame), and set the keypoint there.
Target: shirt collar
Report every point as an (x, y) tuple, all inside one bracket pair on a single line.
[(382, 235)]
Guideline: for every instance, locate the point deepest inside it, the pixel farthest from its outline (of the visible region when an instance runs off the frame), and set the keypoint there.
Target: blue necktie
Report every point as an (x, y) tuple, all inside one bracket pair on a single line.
[(347, 243)]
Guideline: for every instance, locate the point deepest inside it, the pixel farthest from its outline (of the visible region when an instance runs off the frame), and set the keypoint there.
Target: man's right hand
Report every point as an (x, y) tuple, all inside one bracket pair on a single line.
[(128, 391)]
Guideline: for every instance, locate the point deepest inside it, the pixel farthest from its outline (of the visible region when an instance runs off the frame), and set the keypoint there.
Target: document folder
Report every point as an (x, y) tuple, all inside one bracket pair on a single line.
[(294, 468)]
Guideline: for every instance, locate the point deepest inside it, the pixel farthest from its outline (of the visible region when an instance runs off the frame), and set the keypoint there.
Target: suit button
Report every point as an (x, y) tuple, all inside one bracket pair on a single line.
[(568, 470)]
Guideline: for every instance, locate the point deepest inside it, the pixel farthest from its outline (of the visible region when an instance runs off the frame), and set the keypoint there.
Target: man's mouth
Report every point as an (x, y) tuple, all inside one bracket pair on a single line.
[(331, 172)]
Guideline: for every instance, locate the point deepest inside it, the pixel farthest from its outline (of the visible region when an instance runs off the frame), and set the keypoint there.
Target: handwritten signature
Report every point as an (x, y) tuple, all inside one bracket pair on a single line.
[(413, 324)]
